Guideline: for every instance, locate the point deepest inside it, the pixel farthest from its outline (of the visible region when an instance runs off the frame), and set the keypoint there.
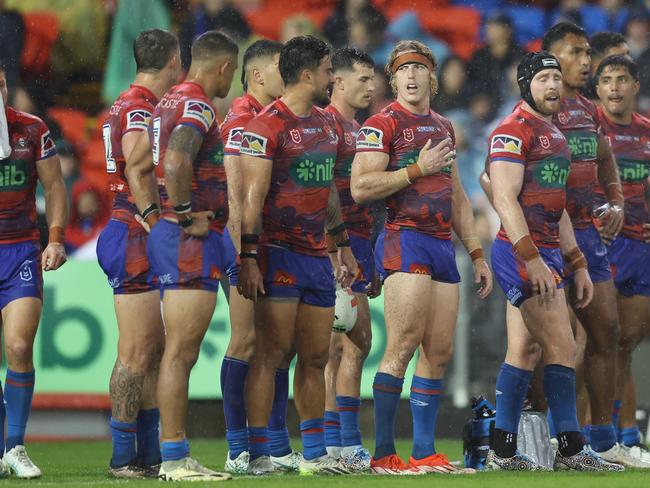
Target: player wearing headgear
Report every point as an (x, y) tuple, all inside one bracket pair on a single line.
[(405, 154), (287, 157), (529, 163), (603, 44), (617, 83), (591, 161), (186, 247), (32, 159), (263, 84), (122, 254), (353, 87)]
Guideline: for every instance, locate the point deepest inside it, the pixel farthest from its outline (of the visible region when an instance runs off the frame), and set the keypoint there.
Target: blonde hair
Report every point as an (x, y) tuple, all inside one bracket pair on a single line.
[(415, 47)]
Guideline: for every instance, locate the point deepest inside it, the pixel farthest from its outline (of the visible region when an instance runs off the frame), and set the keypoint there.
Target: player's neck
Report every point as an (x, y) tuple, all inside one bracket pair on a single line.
[(297, 101), (419, 108), (258, 93), (207, 82), (568, 91), (348, 112), (525, 106), (155, 83), (622, 119)]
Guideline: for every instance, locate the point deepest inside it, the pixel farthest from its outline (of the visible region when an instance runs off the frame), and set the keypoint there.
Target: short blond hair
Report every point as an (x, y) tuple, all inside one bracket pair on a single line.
[(415, 47)]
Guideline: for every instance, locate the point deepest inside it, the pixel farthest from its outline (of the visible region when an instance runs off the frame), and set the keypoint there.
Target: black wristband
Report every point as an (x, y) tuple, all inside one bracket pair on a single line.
[(250, 239), (185, 223), (149, 210), (249, 255), (182, 208), (336, 230), (345, 243)]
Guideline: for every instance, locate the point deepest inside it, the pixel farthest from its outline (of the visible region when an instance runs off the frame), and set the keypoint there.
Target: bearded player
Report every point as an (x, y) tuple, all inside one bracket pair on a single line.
[(528, 167), (263, 84), (617, 83), (287, 155), (186, 247), (405, 154), (32, 159), (352, 91), (122, 254), (591, 161)]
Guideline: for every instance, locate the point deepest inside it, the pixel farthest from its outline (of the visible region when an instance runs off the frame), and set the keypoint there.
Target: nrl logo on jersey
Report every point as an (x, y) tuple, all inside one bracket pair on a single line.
[(505, 143), (137, 119), (408, 135), (199, 111), (234, 138), (545, 142), (370, 138), (295, 136), (349, 138), (252, 144)]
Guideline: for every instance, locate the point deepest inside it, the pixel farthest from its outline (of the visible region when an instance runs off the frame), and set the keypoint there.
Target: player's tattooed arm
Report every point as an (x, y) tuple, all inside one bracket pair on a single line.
[(334, 218), (345, 265), (184, 144), (139, 170)]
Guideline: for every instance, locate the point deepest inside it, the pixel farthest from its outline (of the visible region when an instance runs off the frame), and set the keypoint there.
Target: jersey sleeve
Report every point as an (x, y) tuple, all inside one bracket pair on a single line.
[(45, 147), (136, 118), (198, 114), (508, 143), (375, 135), (259, 139), (232, 130)]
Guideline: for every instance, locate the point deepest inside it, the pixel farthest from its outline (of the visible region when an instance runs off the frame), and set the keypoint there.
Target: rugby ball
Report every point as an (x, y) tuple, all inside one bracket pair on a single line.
[(345, 311)]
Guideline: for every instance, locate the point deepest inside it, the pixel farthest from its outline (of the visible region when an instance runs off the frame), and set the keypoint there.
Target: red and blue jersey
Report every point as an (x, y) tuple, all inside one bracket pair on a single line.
[(303, 152), (357, 217), (424, 206), (631, 147), (30, 142), (578, 121), (186, 104), (129, 113), (523, 138), (241, 112)]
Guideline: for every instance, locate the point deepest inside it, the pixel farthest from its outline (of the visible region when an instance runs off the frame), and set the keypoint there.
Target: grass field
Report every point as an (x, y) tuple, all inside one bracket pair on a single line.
[(84, 464)]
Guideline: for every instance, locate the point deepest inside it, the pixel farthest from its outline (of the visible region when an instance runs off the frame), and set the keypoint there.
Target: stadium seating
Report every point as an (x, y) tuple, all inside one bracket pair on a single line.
[(41, 32)]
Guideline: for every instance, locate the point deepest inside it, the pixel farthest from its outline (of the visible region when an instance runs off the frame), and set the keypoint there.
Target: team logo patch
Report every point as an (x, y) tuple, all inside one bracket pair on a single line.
[(563, 118), (252, 144), (234, 138), (545, 142), (408, 135), (47, 145), (505, 143), (370, 138), (199, 111), (348, 139), (137, 119), (26, 271), (295, 136)]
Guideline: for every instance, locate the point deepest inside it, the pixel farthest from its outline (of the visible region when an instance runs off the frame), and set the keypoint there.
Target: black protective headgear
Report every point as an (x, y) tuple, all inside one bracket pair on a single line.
[(529, 66)]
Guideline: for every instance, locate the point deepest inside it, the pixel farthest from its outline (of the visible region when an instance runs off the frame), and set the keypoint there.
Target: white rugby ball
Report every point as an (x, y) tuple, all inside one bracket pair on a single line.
[(345, 311)]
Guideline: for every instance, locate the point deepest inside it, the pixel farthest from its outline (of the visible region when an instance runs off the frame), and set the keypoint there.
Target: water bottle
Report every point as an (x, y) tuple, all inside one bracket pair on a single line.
[(477, 433)]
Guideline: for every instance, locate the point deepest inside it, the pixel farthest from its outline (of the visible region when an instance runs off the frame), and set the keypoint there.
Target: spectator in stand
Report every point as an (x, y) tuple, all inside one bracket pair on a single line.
[(88, 216), (12, 37), (487, 68), (132, 17), (452, 93), (569, 11), (471, 161), (512, 95), (617, 14), (368, 34), (346, 12), (637, 33), (212, 15), (298, 25)]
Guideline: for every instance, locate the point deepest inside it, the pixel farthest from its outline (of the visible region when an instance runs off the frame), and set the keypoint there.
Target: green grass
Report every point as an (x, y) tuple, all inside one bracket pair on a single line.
[(84, 464)]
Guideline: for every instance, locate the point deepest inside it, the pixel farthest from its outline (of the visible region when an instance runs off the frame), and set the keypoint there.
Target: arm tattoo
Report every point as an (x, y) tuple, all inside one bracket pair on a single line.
[(186, 140), (333, 208)]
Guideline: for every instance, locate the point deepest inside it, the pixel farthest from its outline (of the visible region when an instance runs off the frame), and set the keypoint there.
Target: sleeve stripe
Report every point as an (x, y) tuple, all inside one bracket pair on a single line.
[(194, 126), (494, 159)]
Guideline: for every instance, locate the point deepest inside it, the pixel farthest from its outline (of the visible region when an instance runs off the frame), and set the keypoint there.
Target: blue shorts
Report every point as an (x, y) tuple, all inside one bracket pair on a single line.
[(288, 274), (510, 271), (595, 252), (20, 272), (232, 258), (181, 261), (630, 260), (414, 252), (122, 255), (365, 256)]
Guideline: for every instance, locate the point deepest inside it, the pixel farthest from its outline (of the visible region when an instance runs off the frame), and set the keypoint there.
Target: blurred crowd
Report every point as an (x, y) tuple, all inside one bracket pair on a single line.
[(67, 60)]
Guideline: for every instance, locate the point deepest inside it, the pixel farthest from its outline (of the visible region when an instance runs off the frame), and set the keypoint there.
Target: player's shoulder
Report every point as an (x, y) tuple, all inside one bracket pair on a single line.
[(23, 118), (441, 119), (387, 117), (587, 104), (516, 122), (640, 120)]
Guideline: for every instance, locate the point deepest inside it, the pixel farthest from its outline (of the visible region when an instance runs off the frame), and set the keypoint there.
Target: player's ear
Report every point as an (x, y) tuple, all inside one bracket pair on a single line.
[(226, 64), (307, 76), (257, 76), (339, 83)]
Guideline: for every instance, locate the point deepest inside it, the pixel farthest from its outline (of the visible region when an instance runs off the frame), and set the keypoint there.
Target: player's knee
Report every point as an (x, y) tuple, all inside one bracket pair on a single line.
[(336, 352), (18, 351), (243, 348), (607, 338), (314, 360)]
